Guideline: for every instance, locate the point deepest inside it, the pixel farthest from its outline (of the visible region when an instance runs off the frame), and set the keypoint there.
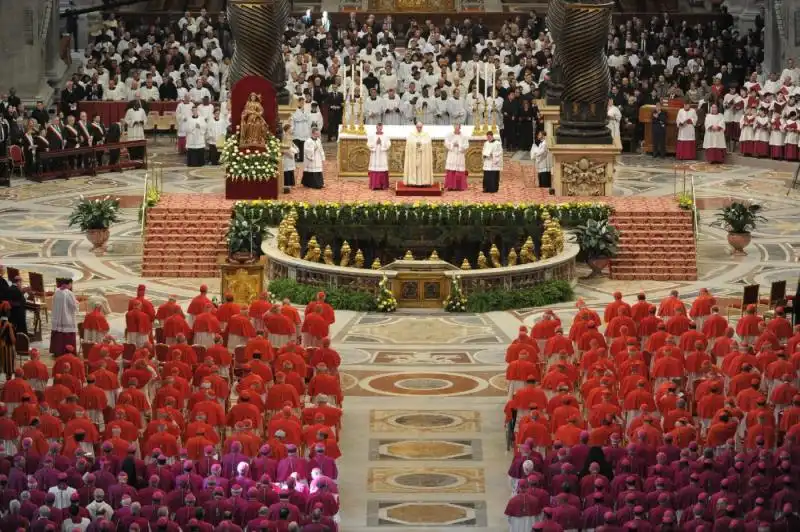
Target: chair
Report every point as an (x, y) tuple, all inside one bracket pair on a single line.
[(22, 347), (37, 288), (777, 298), (81, 330), (17, 157), (13, 273), (749, 297), (160, 338)]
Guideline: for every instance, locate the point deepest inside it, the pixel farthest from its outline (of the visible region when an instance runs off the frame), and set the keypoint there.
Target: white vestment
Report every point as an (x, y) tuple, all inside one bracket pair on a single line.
[(426, 107), (313, 155), (471, 99), (182, 113), (62, 317), (215, 132), (373, 111), (196, 133), (685, 129), (492, 156), (457, 111), (456, 146), (136, 120), (391, 116), (379, 153), (441, 112), (418, 164), (714, 139), (614, 118)]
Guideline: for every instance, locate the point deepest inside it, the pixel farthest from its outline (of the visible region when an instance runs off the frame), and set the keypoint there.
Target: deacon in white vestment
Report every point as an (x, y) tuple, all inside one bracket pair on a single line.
[(196, 139), (470, 104), (378, 171), (714, 140), (455, 166), (441, 110), (314, 157), (215, 136), (418, 164), (63, 325), (492, 163), (136, 121)]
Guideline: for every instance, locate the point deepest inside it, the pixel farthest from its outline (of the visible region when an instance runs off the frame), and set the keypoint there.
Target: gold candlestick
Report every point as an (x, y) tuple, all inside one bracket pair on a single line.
[(494, 121), (361, 130), (478, 129)]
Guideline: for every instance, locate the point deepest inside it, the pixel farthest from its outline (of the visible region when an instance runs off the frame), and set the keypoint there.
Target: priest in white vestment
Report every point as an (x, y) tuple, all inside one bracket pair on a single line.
[(196, 139), (62, 318), (714, 140), (378, 170), (686, 146), (455, 167), (136, 121), (418, 165), (456, 109), (472, 99), (492, 163), (441, 110)]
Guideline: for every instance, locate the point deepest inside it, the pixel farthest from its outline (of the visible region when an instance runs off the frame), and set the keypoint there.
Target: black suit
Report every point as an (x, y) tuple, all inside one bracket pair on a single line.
[(72, 140), (659, 134), (56, 144), (69, 102), (98, 133), (335, 112), (42, 146), (41, 116), (5, 131), (113, 135), (29, 147)]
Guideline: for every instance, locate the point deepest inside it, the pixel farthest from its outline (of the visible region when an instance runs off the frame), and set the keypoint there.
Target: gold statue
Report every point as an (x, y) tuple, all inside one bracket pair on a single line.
[(253, 127), (552, 238), (327, 256), (359, 260), (434, 256), (344, 255), (294, 246), (527, 253), (376, 264), (465, 265), (512, 258), (408, 255), (494, 254), (483, 264), (313, 251)]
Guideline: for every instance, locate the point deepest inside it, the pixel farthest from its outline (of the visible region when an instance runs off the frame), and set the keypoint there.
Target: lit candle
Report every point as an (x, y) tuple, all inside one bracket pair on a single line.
[(352, 80), (494, 85), (361, 79), (486, 81)]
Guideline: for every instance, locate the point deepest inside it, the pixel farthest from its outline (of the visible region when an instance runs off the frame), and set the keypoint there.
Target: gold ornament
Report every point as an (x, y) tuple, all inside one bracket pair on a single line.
[(376, 264), (253, 127), (494, 254), (512, 258), (552, 238), (483, 264), (465, 265), (359, 261), (408, 255), (295, 247), (313, 251), (344, 255), (434, 256), (327, 256)]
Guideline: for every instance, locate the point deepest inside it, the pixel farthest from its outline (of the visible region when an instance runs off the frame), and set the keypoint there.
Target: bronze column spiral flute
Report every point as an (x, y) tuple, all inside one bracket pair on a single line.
[(555, 25), (585, 73), (257, 27)]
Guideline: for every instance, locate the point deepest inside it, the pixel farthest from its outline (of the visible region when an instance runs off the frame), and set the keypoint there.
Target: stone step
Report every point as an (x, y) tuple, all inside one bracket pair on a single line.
[(653, 277)]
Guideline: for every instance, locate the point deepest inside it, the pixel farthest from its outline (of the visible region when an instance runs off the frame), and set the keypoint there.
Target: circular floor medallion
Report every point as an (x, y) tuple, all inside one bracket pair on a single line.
[(426, 481), (437, 384), (425, 421), (423, 384)]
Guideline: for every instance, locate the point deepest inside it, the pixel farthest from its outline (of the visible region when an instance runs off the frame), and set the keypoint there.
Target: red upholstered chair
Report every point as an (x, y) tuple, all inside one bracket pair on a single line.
[(17, 158)]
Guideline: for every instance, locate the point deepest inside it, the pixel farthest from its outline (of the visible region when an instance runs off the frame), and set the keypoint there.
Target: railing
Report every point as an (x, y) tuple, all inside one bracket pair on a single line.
[(60, 164)]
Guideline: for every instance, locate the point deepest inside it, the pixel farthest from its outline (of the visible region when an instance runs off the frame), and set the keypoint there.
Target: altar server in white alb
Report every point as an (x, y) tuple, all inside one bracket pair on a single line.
[(540, 154), (714, 140), (614, 118), (301, 126), (182, 113), (418, 164), (196, 139), (136, 120), (289, 152), (492, 163), (455, 167), (379, 145), (215, 136), (314, 157), (686, 147)]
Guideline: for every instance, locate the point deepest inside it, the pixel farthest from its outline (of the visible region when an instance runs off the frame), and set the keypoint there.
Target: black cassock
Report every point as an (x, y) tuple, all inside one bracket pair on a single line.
[(335, 113)]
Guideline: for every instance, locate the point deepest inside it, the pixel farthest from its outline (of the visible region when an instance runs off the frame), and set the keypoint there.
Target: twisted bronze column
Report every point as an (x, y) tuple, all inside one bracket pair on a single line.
[(257, 27), (585, 72), (555, 25)]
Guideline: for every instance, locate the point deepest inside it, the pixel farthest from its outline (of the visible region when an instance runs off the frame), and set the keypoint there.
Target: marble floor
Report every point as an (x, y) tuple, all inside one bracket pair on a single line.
[(423, 438)]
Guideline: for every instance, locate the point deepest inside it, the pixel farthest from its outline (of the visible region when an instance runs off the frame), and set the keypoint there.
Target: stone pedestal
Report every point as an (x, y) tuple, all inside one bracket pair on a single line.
[(244, 281), (550, 115), (583, 169)]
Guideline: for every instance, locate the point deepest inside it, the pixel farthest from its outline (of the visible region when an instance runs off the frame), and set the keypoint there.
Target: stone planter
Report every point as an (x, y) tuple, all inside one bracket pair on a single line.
[(98, 239), (242, 257), (598, 264), (738, 242)]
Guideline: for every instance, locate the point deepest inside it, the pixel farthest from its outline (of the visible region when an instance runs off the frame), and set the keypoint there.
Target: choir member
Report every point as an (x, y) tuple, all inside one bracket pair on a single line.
[(379, 146), (714, 140), (792, 137), (747, 132), (196, 139), (373, 108), (455, 166), (492, 163), (215, 136), (136, 121), (776, 136), (686, 147), (289, 153), (761, 140), (392, 115)]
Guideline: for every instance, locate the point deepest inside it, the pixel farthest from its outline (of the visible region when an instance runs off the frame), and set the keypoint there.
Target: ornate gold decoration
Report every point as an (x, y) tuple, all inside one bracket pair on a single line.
[(243, 285), (327, 256), (253, 127), (344, 254), (583, 178), (494, 254), (465, 265), (408, 255), (417, 6), (552, 238), (359, 260), (527, 253), (376, 264), (434, 256), (512, 258), (294, 247), (313, 251), (483, 264)]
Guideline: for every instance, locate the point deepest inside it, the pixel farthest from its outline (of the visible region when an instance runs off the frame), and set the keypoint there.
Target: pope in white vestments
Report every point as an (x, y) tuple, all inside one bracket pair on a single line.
[(378, 170), (418, 165)]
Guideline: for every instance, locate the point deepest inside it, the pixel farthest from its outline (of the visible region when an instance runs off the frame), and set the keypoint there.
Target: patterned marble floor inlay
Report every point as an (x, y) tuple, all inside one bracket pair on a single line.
[(427, 479), (459, 421), (422, 330), (425, 450), (426, 514), (438, 384)]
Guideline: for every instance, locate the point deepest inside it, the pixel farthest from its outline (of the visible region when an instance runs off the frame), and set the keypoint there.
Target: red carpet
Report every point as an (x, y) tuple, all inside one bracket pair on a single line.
[(401, 189)]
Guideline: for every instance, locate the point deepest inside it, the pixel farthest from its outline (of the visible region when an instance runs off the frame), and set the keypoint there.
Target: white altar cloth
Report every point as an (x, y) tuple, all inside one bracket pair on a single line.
[(402, 132)]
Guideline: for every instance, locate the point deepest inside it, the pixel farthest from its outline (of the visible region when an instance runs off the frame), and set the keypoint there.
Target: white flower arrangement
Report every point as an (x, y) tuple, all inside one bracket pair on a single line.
[(456, 301), (385, 302), (248, 164)]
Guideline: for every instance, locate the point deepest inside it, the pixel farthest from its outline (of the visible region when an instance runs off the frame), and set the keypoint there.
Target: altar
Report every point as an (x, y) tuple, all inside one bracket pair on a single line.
[(353, 154)]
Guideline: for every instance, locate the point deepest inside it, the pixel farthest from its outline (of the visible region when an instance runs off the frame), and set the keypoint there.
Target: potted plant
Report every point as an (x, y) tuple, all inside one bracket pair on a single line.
[(94, 217), (244, 239), (598, 241), (739, 219)]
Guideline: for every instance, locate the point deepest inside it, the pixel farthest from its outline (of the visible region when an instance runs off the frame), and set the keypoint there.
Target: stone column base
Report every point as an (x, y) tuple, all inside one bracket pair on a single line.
[(583, 169), (550, 115)]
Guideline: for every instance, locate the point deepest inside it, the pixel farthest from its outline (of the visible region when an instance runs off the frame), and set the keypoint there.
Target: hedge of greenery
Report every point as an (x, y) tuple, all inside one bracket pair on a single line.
[(542, 295)]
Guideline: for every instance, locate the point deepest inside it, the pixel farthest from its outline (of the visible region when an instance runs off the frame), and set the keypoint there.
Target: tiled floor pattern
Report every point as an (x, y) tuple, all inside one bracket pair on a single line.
[(423, 437)]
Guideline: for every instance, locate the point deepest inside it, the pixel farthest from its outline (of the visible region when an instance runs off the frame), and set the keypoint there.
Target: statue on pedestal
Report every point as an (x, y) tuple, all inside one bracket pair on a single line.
[(585, 72), (253, 127)]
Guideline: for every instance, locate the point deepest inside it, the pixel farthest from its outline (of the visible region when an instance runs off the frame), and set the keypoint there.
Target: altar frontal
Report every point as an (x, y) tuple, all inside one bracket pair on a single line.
[(353, 154)]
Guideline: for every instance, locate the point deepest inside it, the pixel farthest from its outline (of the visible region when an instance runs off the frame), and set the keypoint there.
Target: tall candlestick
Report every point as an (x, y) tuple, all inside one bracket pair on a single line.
[(494, 85), (486, 81)]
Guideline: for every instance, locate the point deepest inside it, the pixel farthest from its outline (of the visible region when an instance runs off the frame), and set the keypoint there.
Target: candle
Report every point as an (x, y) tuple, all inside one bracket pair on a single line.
[(352, 79), (494, 85), (486, 81), (361, 78)]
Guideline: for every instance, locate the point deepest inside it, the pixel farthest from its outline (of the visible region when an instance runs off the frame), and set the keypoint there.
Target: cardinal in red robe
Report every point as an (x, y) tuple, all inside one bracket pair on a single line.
[(315, 327), (257, 309), (95, 325), (747, 327), (173, 326), (641, 308), (206, 326), (281, 393), (612, 309), (327, 310), (701, 307), (198, 304), (138, 324), (323, 383), (669, 305), (228, 309), (714, 325), (144, 304), (280, 329), (239, 329)]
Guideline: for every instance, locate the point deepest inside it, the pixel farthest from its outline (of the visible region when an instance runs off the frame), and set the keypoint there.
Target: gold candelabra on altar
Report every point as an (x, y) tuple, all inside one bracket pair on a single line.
[(478, 129), (360, 129)]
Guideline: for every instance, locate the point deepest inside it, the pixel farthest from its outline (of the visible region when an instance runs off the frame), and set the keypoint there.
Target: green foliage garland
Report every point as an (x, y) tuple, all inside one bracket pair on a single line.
[(542, 295), (249, 164), (339, 298)]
